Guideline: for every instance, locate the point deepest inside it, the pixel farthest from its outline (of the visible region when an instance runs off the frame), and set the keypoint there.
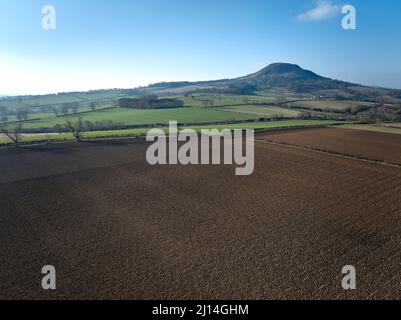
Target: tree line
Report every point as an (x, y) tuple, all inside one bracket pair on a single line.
[(150, 102)]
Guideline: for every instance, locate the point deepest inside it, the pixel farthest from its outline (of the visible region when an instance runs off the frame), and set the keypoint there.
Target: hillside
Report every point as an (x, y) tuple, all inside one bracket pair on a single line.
[(288, 79)]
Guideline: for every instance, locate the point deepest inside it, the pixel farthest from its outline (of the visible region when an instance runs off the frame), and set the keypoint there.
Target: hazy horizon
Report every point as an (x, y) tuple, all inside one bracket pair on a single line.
[(102, 45), (4, 95)]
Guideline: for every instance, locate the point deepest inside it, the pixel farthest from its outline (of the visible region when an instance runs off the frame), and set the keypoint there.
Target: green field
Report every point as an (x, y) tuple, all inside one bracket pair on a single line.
[(83, 98), (271, 124), (54, 137), (264, 111), (145, 117), (192, 100), (221, 108), (217, 100), (328, 104)]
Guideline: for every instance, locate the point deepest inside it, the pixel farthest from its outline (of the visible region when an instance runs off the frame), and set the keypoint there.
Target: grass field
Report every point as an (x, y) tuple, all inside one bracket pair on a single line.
[(57, 99), (28, 138), (219, 109), (264, 111), (328, 104), (272, 124), (226, 99), (192, 100), (146, 117)]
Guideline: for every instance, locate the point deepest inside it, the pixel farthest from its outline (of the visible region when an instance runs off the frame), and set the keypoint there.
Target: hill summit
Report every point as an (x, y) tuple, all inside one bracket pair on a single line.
[(287, 70), (290, 76)]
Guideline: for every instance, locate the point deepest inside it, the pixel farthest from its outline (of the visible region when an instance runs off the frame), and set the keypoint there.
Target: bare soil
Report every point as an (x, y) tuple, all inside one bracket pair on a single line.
[(360, 143), (117, 228)]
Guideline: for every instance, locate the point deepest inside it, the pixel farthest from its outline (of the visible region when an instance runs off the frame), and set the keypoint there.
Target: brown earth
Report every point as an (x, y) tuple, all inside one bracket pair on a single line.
[(367, 144), (115, 227)]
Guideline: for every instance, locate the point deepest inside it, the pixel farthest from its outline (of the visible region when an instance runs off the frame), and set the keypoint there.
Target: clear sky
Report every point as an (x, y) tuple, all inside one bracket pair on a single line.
[(127, 43)]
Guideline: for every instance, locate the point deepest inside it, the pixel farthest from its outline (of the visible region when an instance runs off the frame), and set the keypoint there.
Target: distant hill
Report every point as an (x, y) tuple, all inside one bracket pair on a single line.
[(290, 76), (277, 79), (287, 78)]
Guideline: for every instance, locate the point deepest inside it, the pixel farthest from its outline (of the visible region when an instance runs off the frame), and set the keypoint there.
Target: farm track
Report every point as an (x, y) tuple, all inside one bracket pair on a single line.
[(115, 227)]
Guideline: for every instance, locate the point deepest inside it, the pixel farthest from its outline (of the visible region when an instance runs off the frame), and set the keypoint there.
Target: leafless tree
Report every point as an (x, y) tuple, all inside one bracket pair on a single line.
[(12, 132), (65, 110), (75, 127), (22, 115)]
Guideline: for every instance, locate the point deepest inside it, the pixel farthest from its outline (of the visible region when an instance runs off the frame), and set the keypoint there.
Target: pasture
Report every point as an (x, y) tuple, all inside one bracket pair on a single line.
[(327, 105), (145, 117), (264, 111), (58, 137)]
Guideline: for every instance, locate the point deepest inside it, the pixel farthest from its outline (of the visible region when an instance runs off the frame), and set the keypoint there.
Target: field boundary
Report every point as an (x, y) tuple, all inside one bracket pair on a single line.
[(141, 135)]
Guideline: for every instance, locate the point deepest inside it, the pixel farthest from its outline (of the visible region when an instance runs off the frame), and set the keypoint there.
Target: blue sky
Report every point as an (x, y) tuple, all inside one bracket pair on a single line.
[(127, 43)]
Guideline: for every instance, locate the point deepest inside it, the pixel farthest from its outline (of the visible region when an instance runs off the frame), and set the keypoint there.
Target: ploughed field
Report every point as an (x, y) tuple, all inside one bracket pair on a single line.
[(115, 227), (371, 145)]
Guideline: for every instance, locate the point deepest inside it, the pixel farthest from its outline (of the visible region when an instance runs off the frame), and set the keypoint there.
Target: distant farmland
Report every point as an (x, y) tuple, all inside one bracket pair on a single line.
[(210, 110), (264, 111), (146, 117), (326, 105)]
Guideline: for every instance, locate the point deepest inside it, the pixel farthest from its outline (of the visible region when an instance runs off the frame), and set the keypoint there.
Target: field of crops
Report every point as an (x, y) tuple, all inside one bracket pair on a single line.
[(117, 228)]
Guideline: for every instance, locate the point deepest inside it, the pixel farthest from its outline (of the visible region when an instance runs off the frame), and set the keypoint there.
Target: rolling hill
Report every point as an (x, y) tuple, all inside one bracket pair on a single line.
[(276, 80), (285, 77)]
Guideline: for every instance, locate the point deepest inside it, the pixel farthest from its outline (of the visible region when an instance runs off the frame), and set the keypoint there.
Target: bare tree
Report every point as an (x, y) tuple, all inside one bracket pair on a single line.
[(93, 106), (12, 132), (75, 127), (65, 110), (22, 115)]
